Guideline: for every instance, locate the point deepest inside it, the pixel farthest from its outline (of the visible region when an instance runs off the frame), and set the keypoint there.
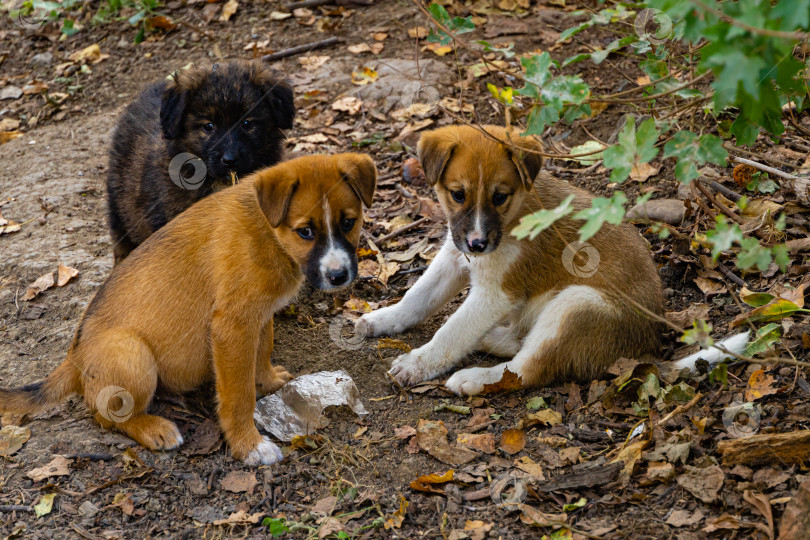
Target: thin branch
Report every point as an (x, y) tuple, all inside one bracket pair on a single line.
[(753, 29), (761, 167), (396, 232), (680, 409)]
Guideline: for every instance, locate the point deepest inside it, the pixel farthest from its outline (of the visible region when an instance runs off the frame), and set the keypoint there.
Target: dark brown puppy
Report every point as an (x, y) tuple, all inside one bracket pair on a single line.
[(185, 137)]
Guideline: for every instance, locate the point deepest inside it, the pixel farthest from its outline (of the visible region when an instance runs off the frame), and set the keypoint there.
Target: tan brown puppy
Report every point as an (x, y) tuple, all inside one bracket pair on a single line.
[(197, 299), (562, 300)]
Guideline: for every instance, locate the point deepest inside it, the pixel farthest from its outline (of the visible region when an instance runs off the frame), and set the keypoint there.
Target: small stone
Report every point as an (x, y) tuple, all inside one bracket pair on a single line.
[(88, 509), (10, 92), (41, 60), (670, 211)]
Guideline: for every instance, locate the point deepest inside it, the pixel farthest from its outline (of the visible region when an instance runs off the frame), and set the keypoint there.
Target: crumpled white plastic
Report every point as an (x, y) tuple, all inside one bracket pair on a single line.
[(296, 409)]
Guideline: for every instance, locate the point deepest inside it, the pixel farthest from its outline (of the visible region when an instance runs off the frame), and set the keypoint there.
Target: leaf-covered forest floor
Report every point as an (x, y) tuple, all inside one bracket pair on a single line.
[(655, 457)]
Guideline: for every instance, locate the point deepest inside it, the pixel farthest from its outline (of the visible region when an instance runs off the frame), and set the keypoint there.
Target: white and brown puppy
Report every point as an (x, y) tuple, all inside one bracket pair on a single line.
[(554, 306)]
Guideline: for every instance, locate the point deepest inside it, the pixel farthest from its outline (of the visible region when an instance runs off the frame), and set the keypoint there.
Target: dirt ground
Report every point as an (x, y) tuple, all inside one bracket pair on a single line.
[(354, 475)]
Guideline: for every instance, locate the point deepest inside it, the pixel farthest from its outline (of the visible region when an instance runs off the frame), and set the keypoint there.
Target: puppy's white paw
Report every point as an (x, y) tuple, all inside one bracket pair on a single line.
[(465, 382), (471, 381), (414, 367), (265, 453), (384, 321)]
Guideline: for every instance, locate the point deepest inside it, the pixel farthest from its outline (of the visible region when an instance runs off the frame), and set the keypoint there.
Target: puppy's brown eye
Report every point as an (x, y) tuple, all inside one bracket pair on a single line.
[(306, 233), (247, 124), (458, 195), (499, 198), (208, 128), (347, 224)]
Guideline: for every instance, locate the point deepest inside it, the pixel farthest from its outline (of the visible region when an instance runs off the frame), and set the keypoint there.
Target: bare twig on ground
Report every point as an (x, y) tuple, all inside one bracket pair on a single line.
[(680, 409), (292, 51), (396, 232)]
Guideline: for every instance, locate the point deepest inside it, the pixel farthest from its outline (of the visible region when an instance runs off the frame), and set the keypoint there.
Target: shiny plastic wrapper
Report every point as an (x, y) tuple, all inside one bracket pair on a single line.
[(297, 408)]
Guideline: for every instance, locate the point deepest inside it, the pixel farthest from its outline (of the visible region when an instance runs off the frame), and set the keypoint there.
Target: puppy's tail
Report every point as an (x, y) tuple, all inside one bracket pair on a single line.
[(713, 355), (34, 397)]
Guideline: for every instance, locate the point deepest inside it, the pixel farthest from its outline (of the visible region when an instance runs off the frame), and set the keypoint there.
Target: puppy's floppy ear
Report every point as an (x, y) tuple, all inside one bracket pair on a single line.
[(434, 151), (281, 101), (275, 188), (172, 109), (528, 162), (359, 171), (277, 92)]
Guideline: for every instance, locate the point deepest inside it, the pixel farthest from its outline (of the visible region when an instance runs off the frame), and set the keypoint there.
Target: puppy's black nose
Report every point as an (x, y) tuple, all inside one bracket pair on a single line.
[(337, 277), (229, 160), (478, 245)]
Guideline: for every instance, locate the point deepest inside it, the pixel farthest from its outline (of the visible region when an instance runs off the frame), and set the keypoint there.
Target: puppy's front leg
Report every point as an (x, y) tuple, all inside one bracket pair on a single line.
[(444, 278), (235, 344), (484, 308), (269, 378)]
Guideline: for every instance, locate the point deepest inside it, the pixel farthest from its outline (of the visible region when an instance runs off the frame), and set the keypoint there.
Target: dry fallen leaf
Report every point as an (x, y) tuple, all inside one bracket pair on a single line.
[(432, 438), (45, 505), (228, 10), (631, 455), (395, 520), (684, 518), (91, 53), (534, 470), (796, 517), (685, 318), (359, 48), (312, 63), (704, 483), (418, 32), (161, 22), (509, 381), (513, 441), (279, 16), (428, 481), (12, 438), (42, 283), (438, 49), (59, 466), (9, 124), (348, 104), (240, 518), (643, 171), (239, 482), (532, 516), (404, 432), (483, 442), (65, 274), (379, 36), (364, 76), (546, 417), (760, 385), (6, 136)]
